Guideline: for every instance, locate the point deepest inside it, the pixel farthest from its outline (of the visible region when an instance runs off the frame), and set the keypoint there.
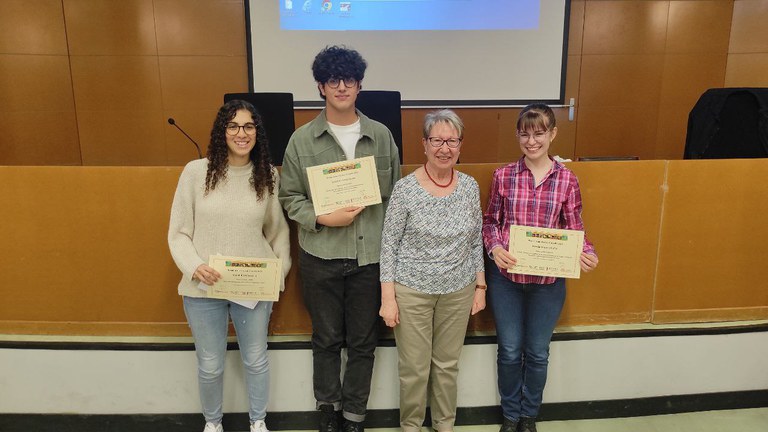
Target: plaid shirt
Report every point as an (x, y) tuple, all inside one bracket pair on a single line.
[(516, 200)]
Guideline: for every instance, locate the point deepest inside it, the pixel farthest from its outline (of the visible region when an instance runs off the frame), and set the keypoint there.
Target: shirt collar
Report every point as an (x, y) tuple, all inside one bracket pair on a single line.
[(321, 126), (520, 165)]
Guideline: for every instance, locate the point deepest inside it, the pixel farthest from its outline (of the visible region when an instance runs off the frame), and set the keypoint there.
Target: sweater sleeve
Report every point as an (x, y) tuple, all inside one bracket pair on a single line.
[(276, 230), (182, 225), (477, 241), (394, 226)]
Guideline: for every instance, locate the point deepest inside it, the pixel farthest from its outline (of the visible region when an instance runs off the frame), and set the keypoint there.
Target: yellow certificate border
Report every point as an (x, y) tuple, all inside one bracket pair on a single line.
[(364, 166), (230, 286), (556, 252)]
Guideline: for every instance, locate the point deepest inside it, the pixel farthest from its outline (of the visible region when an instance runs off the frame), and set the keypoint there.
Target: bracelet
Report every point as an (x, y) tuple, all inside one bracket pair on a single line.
[(481, 287)]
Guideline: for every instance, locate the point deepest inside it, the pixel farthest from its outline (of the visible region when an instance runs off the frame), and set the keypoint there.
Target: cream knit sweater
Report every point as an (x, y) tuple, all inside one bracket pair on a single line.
[(230, 220)]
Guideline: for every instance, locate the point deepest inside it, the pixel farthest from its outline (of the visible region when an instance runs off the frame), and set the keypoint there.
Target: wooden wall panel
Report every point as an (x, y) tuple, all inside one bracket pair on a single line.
[(618, 109), (711, 256), (622, 208), (576, 27), (699, 27), (21, 143), (480, 132), (747, 70), (32, 27), (97, 239), (35, 83), (621, 80), (116, 83), (749, 34), (616, 131), (122, 138), (687, 76), (748, 48), (413, 122), (212, 27), (87, 246), (126, 27), (625, 27), (119, 110), (200, 82), (36, 90)]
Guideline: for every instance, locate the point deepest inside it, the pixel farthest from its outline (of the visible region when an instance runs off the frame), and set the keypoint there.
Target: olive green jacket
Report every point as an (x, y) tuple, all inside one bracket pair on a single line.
[(314, 144)]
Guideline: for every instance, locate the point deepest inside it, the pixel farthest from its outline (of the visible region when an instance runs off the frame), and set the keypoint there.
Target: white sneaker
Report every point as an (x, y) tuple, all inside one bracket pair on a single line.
[(210, 427), (258, 426)]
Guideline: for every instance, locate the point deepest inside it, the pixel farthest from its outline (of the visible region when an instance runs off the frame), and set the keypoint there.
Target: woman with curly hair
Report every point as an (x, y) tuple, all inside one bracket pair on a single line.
[(226, 204)]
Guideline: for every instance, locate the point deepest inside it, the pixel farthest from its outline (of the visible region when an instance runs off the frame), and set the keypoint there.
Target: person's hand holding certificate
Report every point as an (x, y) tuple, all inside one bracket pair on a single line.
[(246, 278), (351, 183), (546, 251)]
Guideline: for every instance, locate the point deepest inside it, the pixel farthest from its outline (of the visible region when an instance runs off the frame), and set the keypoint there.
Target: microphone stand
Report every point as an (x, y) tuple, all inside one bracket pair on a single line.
[(172, 122)]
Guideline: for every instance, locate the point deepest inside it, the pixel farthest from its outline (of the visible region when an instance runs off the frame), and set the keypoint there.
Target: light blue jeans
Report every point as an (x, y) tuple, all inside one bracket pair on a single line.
[(209, 321)]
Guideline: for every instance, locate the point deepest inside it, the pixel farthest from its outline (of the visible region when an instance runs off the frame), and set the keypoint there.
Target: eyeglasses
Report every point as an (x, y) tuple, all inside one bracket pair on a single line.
[(438, 142), (234, 128), (538, 136), (335, 82)]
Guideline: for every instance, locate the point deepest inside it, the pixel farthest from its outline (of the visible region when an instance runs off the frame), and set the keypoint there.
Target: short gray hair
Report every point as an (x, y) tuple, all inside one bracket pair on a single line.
[(443, 116)]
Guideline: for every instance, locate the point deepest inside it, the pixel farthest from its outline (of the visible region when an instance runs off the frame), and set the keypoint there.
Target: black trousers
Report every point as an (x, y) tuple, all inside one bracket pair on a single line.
[(343, 301)]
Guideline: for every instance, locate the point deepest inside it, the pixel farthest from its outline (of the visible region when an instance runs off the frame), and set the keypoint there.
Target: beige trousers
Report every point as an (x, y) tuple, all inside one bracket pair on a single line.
[(429, 339)]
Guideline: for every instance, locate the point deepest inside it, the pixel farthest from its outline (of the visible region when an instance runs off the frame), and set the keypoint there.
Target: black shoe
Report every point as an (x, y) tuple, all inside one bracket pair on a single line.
[(527, 424), (508, 425), (353, 426), (329, 419)]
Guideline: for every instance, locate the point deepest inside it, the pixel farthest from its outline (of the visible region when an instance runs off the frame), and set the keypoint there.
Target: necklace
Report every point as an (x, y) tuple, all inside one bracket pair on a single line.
[(436, 183)]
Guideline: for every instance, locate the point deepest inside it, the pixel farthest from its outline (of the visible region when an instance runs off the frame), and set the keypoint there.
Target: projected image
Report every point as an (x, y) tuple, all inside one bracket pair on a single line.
[(335, 15)]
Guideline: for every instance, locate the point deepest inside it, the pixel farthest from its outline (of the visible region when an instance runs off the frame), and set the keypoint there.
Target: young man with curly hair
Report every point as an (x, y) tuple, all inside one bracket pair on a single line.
[(339, 255)]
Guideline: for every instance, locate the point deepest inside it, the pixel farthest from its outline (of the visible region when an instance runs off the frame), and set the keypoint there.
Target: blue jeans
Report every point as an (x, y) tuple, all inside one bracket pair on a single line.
[(343, 301), (526, 315), (209, 320)]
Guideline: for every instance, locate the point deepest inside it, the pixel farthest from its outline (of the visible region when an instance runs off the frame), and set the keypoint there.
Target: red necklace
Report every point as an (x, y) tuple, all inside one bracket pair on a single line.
[(436, 183)]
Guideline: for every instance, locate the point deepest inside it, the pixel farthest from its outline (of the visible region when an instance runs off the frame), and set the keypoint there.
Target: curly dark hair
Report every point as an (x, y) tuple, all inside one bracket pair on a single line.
[(261, 177), (338, 61)]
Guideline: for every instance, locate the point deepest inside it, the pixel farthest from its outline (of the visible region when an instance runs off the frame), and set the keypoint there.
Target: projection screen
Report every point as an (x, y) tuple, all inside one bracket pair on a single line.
[(435, 52)]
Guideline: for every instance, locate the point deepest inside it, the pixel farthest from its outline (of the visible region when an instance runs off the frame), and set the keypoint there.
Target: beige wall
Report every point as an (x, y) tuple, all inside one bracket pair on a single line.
[(103, 76)]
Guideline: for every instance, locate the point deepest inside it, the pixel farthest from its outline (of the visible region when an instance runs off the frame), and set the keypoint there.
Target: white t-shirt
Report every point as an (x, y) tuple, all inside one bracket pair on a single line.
[(347, 136)]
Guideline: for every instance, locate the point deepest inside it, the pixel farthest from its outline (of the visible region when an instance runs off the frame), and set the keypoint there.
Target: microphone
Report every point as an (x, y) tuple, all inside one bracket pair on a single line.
[(172, 122)]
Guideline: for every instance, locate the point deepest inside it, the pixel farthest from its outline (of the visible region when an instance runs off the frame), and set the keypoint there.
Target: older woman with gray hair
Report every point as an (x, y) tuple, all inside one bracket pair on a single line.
[(432, 275)]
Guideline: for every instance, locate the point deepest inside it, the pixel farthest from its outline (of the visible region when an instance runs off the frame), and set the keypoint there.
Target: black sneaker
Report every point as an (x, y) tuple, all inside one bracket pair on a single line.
[(353, 426), (527, 424), (508, 425), (329, 419)]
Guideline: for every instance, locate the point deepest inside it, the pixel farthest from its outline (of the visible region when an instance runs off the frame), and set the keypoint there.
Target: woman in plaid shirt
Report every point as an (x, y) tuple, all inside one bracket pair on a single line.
[(535, 191)]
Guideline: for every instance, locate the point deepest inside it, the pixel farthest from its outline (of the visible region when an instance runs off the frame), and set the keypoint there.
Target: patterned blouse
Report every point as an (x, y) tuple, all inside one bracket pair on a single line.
[(432, 244)]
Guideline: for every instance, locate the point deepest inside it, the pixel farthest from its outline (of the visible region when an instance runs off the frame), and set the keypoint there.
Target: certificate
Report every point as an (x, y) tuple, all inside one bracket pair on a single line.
[(246, 278), (351, 183), (546, 251)]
